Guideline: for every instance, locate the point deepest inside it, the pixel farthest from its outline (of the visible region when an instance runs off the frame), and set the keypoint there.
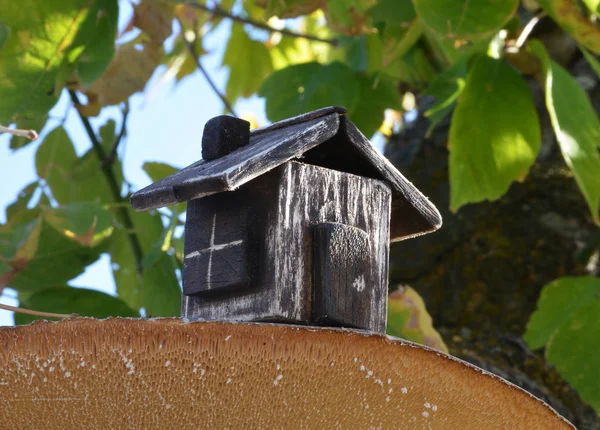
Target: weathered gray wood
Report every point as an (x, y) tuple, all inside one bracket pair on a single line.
[(224, 134), (350, 151), (265, 152), (342, 277), (412, 213), (217, 250), (324, 138), (300, 118), (287, 204)]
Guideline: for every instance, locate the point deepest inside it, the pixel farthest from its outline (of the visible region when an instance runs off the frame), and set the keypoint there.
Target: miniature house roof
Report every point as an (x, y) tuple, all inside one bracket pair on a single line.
[(325, 137)]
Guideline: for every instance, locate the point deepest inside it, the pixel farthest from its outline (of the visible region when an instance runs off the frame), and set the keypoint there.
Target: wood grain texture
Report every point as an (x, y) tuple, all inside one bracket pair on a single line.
[(288, 204), (216, 251), (224, 134), (342, 278), (266, 151), (350, 151), (325, 138)]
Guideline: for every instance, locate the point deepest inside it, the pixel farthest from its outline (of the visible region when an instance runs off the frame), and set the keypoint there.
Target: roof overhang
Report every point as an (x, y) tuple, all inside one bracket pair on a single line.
[(293, 139)]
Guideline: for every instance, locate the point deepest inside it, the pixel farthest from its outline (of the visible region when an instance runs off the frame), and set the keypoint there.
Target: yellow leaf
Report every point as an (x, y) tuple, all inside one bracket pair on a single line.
[(251, 118), (128, 73), (155, 19), (408, 318)]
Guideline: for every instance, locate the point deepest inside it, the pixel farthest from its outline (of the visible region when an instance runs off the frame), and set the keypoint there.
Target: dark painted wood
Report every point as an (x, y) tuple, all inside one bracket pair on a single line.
[(285, 205), (412, 213), (224, 134), (300, 118), (265, 152), (325, 138), (217, 249), (342, 277)]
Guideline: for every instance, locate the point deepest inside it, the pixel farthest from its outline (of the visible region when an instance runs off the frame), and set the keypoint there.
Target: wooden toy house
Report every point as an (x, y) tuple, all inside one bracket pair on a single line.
[(291, 222)]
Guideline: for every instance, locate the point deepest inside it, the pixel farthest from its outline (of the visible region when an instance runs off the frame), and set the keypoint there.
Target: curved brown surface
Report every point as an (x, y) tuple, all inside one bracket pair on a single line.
[(159, 374)]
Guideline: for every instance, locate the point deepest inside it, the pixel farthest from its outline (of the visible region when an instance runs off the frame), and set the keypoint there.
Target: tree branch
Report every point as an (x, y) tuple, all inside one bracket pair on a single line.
[(30, 134), (112, 156), (192, 50), (217, 11), (36, 313), (109, 174)]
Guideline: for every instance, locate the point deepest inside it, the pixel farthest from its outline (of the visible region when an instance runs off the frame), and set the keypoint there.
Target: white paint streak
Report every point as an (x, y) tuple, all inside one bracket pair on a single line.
[(214, 248), (286, 218), (359, 284), (211, 245)]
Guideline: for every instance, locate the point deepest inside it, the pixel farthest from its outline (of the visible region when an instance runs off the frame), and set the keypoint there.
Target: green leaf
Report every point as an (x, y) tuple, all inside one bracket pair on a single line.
[(349, 16), (569, 16), (306, 87), (80, 301), (41, 33), (593, 61), (157, 171), (23, 198), (363, 53), (593, 6), (249, 62), (576, 125), (399, 27), (408, 318), (377, 93), (161, 294), (179, 62), (162, 245), (45, 257), (291, 8), (466, 19), (158, 289), (559, 302), (393, 12), (397, 43), (19, 242), (4, 33), (71, 178), (94, 45), (87, 223), (107, 135), (446, 88), (55, 156), (414, 68), (574, 351), (494, 135)]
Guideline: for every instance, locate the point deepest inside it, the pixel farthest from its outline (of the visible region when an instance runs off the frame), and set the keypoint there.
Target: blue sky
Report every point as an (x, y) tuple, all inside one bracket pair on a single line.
[(165, 124)]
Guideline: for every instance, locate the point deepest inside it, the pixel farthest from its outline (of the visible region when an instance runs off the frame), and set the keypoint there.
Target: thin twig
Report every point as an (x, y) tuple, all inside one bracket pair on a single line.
[(112, 156), (30, 134), (36, 313), (192, 50), (215, 10), (107, 169)]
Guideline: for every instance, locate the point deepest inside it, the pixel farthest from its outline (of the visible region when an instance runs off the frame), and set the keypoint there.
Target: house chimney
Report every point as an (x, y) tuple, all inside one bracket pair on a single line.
[(222, 135)]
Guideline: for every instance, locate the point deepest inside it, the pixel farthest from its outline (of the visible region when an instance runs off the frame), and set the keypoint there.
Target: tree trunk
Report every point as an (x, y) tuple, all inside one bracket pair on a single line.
[(482, 273)]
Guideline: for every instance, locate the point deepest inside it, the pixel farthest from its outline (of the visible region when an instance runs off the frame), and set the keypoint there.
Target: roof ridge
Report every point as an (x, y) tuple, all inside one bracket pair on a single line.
[(299, 119)]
